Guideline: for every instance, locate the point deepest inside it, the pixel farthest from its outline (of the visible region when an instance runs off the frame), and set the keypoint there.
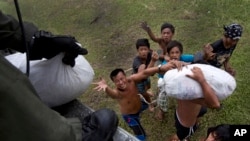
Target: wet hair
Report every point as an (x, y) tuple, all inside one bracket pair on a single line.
[(115, 72), (173, 44), (168, 25), (233, 31), (222, 132), (142, 42)]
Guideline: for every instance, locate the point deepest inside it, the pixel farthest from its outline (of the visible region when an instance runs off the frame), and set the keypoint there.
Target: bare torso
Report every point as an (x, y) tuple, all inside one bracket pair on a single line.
[(129, 101), (187, 112), (163, 45)]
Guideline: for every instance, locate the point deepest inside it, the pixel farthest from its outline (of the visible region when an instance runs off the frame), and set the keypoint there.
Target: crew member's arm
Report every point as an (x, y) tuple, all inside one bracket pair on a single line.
[(11, 35), (210, 98), (41, 44), (102, 85)]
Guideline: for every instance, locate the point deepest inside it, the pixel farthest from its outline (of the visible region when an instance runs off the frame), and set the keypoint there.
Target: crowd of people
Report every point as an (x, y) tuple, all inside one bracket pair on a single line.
[(23, 113), (169, 56)]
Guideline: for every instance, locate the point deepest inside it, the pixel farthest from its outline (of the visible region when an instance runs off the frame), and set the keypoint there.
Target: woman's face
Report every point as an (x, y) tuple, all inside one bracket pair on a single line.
[(174, 53)]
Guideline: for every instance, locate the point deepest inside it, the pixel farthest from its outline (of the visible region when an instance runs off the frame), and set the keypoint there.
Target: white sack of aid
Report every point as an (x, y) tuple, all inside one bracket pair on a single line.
[(55, 82), (179, 86)]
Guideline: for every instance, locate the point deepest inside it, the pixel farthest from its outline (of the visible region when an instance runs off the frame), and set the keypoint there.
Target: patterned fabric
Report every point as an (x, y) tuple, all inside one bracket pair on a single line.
[(162, 100), (133, 121), (222, 53), (233, 31)]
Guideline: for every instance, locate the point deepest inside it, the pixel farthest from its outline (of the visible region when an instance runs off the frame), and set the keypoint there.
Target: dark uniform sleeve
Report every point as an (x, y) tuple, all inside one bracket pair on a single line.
[(11, 35), (41, 44)]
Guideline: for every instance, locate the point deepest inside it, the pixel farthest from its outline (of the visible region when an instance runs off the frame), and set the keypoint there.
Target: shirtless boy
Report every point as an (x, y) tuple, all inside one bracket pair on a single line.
[(167, 33), (126, 93)]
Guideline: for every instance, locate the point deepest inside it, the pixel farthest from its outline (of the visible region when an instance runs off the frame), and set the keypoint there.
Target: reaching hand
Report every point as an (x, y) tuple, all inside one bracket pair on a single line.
[(167, 58), (177, 64), (173, 64), (145, 26), (197, 74), (231, 71), (155, 56), (101, 85), (208, 52), (208, 47)]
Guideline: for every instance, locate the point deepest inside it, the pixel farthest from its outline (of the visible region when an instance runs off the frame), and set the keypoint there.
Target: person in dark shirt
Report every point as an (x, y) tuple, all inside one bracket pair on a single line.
[(220, 51), (141, 62)]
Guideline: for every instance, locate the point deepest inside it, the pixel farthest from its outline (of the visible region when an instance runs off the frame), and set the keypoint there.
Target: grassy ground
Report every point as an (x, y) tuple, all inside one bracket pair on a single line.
[(109, 29)]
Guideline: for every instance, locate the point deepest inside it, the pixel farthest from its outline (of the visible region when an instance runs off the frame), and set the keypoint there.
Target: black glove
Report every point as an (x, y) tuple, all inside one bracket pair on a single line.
[(100, 125), (46, 45)]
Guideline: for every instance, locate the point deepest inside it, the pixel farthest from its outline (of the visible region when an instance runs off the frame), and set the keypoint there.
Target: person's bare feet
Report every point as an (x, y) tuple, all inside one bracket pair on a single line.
[(151, 107), (173, 138), (151, 94), (159, 115)]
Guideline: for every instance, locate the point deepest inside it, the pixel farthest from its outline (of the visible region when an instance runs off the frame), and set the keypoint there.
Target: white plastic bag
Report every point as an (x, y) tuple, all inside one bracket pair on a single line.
[(179, 86), (55, 82)]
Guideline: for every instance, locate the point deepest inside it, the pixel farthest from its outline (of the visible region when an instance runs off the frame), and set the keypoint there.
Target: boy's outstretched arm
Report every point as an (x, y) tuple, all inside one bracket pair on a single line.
[(159, 69), (102, 85), (228, 67), (146, 27), (154, 58)]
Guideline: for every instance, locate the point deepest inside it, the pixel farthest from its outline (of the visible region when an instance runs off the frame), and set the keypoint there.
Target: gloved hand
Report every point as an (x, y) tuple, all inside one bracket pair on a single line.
[(46, 45)]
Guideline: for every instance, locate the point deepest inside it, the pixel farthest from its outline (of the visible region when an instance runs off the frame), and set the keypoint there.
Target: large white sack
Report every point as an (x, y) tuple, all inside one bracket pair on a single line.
[(55, 82), (179, 86)]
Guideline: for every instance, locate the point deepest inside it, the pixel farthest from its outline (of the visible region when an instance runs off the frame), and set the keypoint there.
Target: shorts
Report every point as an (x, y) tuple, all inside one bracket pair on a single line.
[(142, 86), (185, 132), (133, 121)]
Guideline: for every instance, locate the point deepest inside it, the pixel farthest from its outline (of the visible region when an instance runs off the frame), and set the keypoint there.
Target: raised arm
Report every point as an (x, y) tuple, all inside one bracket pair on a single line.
[(154, 58), (145, 26), (102, 85), (210, 98), (228, 67)]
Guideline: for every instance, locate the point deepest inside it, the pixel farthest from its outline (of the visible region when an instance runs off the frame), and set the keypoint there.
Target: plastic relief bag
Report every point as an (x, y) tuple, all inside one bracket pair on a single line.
[(179, 86), (55, 82)]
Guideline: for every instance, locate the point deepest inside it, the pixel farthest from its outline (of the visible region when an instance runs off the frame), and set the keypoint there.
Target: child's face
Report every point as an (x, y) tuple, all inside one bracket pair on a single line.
[(174, 53), (167, 34), (143, 52), (230, 42)]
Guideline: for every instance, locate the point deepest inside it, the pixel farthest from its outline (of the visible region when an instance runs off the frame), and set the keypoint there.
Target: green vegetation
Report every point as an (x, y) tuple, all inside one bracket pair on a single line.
[(109, 29)]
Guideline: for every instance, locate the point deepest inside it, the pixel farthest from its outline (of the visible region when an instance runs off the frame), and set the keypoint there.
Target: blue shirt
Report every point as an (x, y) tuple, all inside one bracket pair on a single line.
[(185, 58)]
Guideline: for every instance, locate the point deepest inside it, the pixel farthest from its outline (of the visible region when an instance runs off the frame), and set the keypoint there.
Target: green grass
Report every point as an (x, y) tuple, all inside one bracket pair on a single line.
[(109, 29)]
